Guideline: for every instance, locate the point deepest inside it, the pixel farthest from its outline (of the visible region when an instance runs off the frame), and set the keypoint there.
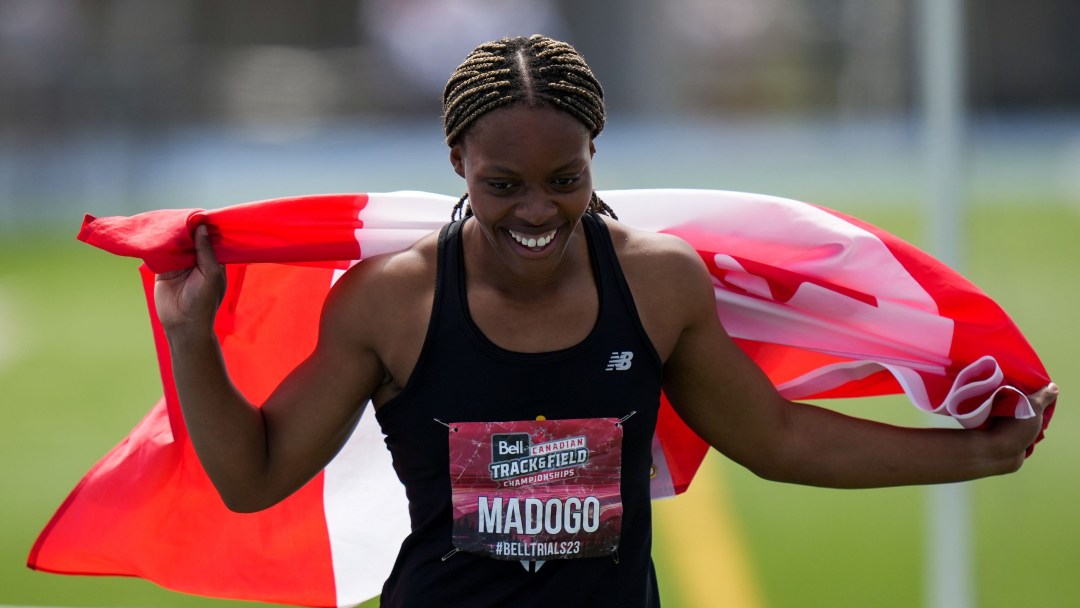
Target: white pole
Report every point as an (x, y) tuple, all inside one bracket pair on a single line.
[(941, 40)]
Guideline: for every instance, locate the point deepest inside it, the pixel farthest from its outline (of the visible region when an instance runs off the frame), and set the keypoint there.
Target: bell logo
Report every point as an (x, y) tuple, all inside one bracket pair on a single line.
[(508, 446), (619, 361)]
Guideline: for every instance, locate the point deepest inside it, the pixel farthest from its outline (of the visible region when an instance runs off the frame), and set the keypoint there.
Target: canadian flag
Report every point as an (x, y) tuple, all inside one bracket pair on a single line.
[(827, 305)]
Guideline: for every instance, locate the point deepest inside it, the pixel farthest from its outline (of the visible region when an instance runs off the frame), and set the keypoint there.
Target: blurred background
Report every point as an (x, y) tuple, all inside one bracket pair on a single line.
[(118, 106)]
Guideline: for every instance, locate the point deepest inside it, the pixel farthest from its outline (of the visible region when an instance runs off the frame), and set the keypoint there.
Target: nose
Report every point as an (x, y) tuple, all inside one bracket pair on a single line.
[(536, 207)]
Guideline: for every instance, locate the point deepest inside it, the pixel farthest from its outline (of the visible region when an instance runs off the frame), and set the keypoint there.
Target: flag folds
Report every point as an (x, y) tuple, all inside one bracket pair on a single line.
[(827, 305)]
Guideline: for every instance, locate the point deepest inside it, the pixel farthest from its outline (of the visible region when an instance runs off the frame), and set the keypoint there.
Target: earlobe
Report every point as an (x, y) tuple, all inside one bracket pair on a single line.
[(456, 160)]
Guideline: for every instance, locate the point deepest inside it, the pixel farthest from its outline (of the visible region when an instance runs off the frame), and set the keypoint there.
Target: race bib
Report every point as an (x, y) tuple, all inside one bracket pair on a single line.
[(537, 489)]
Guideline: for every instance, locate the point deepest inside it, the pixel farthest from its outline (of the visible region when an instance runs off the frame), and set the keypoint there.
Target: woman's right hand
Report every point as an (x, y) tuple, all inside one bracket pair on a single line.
[(189, 298)]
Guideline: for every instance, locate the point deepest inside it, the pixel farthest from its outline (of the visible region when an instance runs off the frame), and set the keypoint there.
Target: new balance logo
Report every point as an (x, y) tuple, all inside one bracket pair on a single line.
[(620, 361)]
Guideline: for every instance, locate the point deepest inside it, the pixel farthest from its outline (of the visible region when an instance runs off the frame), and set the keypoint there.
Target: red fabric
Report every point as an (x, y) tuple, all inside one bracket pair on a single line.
[(149, 510), (299, 229), (982, 327)]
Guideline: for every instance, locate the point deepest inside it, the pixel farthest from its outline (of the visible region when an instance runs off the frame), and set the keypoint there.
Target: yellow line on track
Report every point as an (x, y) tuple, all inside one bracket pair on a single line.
[(710, 563)]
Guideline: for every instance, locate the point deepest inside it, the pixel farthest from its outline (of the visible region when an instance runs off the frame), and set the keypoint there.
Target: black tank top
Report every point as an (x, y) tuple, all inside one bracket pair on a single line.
[(462, 376)]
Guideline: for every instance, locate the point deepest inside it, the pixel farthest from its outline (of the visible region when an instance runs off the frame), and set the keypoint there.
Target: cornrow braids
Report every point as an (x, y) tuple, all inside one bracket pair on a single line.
[(462, 209), (598, 206), (536, 70)]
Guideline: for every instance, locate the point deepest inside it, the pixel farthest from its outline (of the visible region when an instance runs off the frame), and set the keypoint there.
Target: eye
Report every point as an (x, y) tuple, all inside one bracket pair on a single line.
[(496, 185), (566, 181)]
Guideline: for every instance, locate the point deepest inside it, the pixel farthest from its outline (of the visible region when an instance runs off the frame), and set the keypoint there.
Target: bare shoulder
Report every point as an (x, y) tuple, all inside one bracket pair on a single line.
[(668, 279), (664, 252), (395, 272), (663, 265), (381, 291)]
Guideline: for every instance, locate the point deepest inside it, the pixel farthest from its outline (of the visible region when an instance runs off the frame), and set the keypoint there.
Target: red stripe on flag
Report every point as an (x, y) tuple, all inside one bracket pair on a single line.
[(305, 229), (149, 510), (683, 449), (982, 326)]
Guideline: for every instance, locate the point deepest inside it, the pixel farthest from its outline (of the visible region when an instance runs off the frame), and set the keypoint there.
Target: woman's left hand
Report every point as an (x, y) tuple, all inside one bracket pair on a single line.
[(1014, 437)]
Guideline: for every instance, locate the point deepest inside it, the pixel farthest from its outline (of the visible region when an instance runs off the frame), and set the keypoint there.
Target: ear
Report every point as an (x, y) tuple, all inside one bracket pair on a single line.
[(592, 148), (457, 159)]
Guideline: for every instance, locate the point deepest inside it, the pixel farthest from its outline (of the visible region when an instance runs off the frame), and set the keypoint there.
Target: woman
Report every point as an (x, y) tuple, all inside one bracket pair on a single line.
[(525, 347)]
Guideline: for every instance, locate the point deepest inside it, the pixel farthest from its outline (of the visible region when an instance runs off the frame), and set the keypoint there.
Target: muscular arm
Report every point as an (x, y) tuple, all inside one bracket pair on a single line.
[(257, 456), (730, 403), (737, 411)]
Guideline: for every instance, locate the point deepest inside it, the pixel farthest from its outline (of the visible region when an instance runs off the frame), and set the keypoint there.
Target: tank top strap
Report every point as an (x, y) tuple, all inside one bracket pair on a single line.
[(612, 282), (450, 269)]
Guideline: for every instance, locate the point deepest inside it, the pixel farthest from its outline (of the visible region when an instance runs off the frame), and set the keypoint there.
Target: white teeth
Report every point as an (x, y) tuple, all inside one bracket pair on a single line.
[(531, 242)]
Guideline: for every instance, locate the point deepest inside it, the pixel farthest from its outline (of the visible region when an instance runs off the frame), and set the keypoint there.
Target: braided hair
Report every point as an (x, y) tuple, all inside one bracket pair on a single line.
[(536, 70)]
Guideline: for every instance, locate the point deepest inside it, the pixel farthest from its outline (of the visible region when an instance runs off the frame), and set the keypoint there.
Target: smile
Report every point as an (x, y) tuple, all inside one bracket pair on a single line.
[(533, 241)]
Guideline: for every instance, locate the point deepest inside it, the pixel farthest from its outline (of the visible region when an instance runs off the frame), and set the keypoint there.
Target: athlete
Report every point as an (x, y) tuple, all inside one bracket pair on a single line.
[(525, 346)]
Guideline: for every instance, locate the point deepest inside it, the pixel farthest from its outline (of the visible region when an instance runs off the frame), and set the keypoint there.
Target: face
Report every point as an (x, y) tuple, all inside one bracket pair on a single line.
[(528, 173)]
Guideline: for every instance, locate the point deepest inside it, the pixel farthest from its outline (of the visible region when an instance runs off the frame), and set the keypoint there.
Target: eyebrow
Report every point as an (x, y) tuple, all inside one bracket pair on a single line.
[(561, 168)]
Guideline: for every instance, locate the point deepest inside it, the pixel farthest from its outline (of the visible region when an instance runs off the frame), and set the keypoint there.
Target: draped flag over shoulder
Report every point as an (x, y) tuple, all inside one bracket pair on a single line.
[(827, 305)]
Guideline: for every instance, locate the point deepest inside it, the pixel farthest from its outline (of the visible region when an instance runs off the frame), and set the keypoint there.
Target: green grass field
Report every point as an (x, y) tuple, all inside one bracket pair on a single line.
[(77, 372)]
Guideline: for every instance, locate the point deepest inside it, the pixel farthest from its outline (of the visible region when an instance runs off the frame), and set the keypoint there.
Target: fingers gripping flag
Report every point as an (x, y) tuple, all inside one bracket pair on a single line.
[(827, 305)]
